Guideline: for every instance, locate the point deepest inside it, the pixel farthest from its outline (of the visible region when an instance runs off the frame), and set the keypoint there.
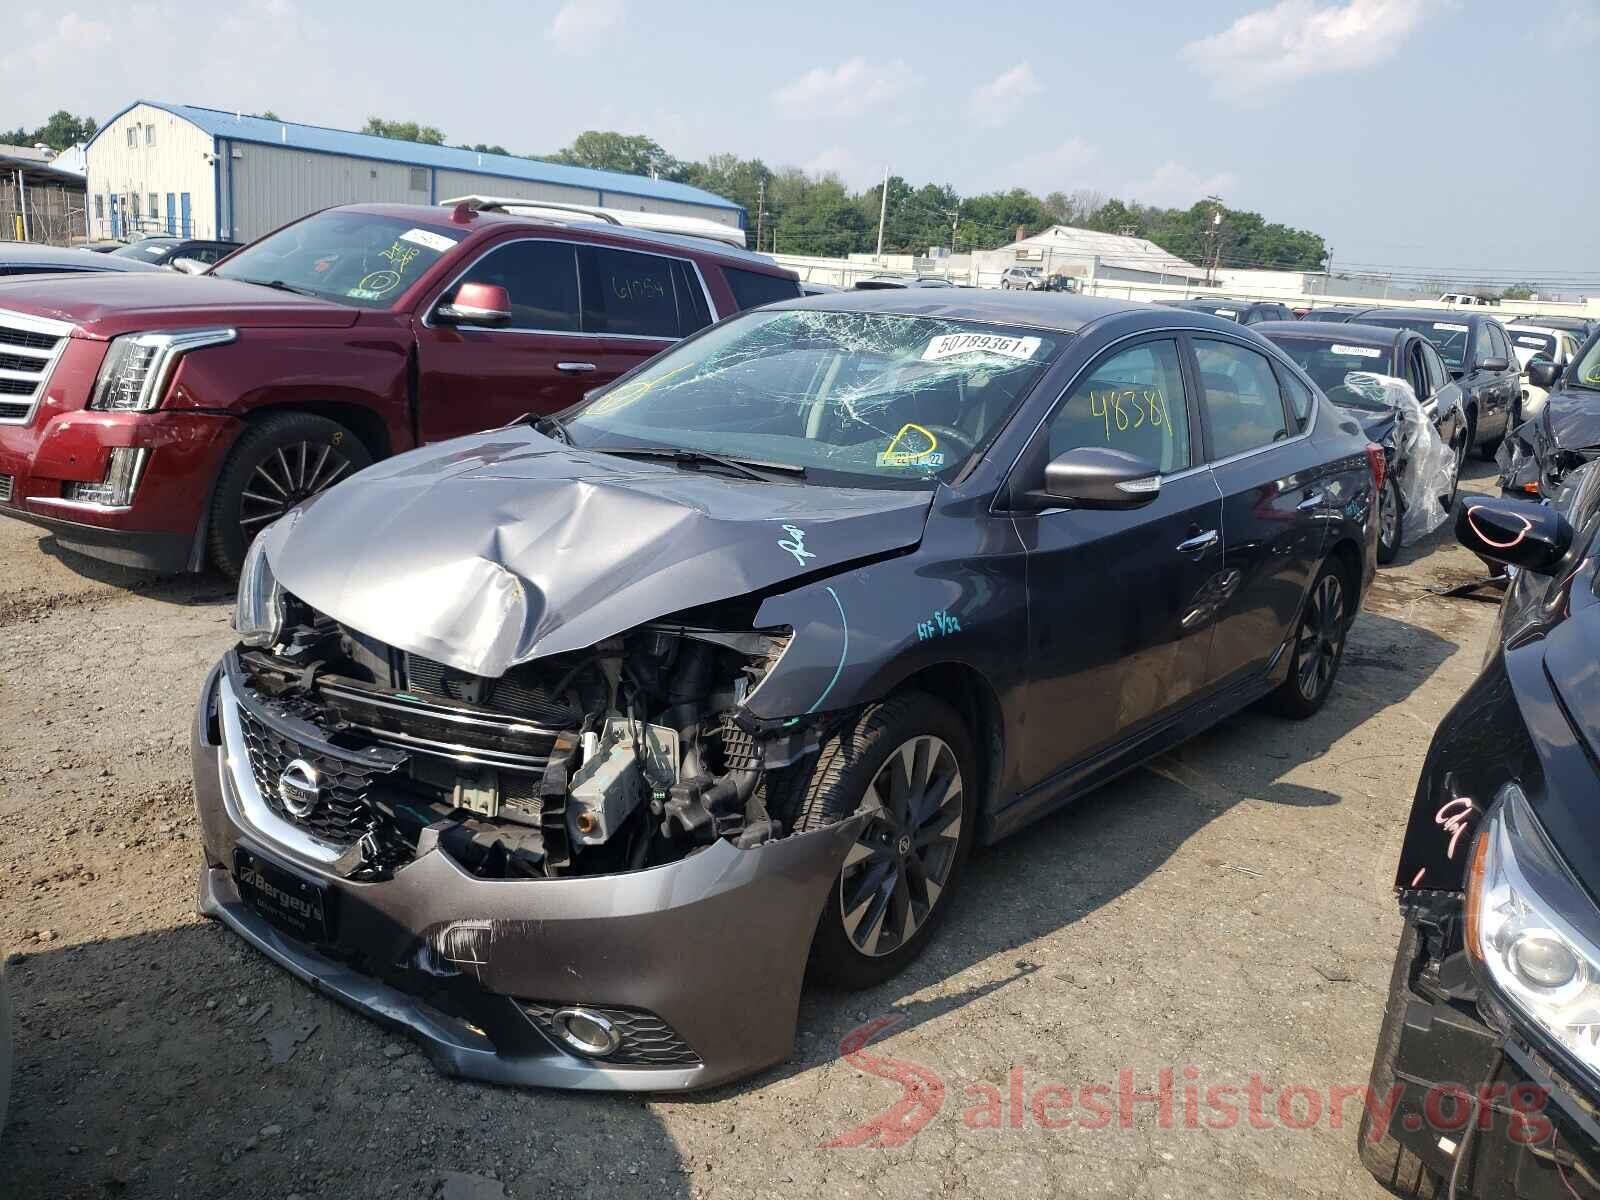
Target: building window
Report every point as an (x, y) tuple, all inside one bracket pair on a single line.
[(133, 135), (154, 207), (99, 208), (149, 135), (419, 179)]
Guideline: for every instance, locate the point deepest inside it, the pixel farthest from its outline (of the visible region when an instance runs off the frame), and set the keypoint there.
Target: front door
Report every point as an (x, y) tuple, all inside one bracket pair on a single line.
[(1274, 502), (1119, 621), (172, 213), (186, 229)]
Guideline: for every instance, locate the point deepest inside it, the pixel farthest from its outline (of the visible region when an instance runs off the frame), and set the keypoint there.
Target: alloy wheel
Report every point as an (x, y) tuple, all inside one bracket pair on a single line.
[(893, 876), (1321, 637), (287, 476), (1388, 517)]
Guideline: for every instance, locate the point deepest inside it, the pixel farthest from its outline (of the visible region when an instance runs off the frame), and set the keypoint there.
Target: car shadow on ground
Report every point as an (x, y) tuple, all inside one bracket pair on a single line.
[(207, 587), (1086, 856), (181, 1063)]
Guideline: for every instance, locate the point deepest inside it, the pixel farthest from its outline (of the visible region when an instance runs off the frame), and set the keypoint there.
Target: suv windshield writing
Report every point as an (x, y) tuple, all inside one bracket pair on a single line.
[(352, 257), (886, 400)]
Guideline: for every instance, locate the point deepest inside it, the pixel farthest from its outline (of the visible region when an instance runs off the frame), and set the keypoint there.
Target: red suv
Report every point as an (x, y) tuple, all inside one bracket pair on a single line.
[(161, 420)]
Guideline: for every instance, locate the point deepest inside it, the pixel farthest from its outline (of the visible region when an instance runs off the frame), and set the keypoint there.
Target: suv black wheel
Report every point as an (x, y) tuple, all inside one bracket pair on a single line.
[(1318, 645), (280, 460), (1389, 516), (909, 758)]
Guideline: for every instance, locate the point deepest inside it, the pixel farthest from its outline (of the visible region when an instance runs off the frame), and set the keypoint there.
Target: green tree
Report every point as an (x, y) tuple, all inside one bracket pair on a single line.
[(60, 132), (481, 148), (1520, 291), (268, 115), (632, 154), (404, 131)]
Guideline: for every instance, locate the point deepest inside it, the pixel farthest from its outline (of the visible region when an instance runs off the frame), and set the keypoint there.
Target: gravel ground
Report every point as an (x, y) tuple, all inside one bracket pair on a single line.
[(1223, 913)]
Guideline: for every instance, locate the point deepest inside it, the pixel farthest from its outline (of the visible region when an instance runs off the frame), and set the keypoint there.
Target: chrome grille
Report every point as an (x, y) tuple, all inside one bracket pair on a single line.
[(5, 487), (341, 815), (29, 348)]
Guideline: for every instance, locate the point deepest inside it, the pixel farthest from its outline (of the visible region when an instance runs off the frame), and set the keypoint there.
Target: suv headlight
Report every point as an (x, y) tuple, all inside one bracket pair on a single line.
[(258, 612), (134, 375), (1532, 930)]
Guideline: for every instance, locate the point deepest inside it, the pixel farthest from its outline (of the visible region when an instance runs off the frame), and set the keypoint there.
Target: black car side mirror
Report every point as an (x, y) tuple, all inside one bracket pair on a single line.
[(1543, 373), (1533, 537), (1098, 477), (1493, 363)]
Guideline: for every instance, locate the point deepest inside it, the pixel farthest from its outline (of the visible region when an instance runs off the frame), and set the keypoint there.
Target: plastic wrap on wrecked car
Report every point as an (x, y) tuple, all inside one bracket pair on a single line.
[(535, 548), (1430, 465)]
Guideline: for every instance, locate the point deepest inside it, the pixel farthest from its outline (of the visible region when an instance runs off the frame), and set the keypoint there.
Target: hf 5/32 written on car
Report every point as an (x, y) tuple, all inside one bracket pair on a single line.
[(567, 745)]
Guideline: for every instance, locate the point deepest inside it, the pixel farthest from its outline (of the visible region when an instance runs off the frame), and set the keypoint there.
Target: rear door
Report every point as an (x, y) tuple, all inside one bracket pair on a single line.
[(1119, 616), (1274, 505), (635, 305)]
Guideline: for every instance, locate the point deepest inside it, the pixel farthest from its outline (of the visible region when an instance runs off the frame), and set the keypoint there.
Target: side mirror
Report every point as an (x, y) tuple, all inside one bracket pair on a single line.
[(189, 266), (1493, 363), (1097, 477), (1533, 537), (1543, 373), (477, 304)]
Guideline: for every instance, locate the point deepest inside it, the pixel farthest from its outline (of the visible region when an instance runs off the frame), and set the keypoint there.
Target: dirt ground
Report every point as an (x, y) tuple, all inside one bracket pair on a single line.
[(1224, 913)]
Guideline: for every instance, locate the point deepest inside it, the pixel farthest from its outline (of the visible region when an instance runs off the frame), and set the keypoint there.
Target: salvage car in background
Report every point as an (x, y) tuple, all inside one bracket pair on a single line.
[(30, 258), (588, 731), (1422, 468), (1530, 342), (1493, 1001), (1246, 312), (1478, 356), (1541, 453), (1328, 315), (162, 421), (164, 251)]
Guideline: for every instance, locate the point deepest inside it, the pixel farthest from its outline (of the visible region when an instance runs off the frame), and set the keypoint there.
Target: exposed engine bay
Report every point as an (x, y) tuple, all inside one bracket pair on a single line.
[(629, 754)]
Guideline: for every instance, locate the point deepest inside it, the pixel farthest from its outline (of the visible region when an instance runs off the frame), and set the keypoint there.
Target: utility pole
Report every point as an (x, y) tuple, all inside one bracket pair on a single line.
[(761, 210), (883, 212), (1215, 234)]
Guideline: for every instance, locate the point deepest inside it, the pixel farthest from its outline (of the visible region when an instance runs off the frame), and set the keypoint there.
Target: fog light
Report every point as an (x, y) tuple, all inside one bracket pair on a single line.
[(587, 1032), (1543, 960), (122, 477)]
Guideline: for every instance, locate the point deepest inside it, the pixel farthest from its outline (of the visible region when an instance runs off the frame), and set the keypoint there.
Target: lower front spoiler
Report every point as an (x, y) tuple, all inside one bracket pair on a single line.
[(163, 553), (706, 954)]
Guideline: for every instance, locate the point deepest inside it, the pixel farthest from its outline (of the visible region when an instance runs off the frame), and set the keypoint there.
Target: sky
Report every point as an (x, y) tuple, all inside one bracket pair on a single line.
[(1442, 134)]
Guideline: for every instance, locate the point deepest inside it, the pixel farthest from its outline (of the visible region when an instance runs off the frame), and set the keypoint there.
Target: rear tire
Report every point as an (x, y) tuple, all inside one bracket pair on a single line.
[(1319, 640), (914, 755), (277, 462), (1390, 1163), (1389, 519)]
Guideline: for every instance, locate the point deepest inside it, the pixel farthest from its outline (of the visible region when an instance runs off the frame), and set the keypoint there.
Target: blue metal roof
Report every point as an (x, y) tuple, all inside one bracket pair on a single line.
[(317, 138)]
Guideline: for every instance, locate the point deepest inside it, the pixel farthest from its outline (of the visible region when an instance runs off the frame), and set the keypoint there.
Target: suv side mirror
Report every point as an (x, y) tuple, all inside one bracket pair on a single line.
[(1493, 363), (1543, 373), (477, 304), (1533, 537), (1098, 477), (189, 266)]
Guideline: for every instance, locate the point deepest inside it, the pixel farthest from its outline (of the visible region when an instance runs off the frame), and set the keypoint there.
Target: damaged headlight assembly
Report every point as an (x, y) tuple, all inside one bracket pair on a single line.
[(258, 611), (1532, 931), (133, 377)]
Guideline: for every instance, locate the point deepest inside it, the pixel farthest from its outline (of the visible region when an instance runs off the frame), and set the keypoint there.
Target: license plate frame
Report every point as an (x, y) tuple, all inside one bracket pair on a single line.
[(299, 906)]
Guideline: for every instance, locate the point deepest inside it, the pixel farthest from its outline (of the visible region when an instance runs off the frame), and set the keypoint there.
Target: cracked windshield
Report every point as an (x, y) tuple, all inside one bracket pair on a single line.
[(885, 400)]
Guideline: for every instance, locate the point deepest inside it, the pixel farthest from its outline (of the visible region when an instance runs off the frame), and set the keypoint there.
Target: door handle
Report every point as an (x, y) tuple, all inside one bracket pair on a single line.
[(1199, 543), (1312, 502), (575, 368)]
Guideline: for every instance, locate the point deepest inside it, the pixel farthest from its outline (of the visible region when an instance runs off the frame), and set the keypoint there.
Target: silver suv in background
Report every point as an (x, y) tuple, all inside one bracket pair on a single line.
[(1022, 279)]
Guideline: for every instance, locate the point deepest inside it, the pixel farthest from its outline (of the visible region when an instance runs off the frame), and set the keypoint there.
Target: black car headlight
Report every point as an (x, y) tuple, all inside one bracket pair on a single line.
[(258, 612), (134, 375), (1532, 930)]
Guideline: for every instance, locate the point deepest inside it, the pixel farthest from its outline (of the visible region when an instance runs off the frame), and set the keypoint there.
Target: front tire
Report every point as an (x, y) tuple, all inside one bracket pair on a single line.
[(1389, 518), (280, 460), (1318, 645), (911, 759)]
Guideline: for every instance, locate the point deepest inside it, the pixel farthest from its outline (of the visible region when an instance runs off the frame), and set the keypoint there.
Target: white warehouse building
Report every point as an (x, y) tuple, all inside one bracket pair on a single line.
[(201, 172)]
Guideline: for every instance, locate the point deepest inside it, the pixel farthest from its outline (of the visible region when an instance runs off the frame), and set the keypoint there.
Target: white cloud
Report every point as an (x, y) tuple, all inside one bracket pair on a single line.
[(1174, 185), (854, 87), (45, 46), (996, 102), (1571, 25), (846, 164), (579, 24), (1056, 169), (1296, 39)]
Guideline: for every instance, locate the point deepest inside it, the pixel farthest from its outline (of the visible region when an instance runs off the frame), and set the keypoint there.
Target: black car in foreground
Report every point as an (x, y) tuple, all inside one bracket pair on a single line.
[(164, 251), (1478, 354), (565, 745), (1246, 312), (1342, 359), (1487, 1071), (1539, 454)]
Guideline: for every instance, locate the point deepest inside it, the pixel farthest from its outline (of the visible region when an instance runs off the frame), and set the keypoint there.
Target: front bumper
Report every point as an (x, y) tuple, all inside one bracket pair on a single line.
[(1538, 1137), (713, 946)]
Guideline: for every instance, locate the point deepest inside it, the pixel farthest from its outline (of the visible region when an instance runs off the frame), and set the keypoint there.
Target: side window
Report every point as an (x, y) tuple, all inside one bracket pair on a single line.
[(1416, 372), (1502, 345), (1240, 396), (693, 310), (627, 294), (1434, 365), (752, 289), (1131, 401), (1482, 344), (1301, 402), (540, 277)]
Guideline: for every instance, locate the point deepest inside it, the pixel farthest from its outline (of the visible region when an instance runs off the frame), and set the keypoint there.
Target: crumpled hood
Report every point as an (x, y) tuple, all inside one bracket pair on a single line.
[(488, 551), (1571, 419)]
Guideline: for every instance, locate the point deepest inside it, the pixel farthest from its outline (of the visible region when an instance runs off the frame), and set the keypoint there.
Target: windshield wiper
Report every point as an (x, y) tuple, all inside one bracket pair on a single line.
[(551, 427), (276, 284), (750, 468)]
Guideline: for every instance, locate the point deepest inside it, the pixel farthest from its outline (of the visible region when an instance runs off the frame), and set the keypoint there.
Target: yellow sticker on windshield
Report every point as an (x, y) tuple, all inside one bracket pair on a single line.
[(896, 455)]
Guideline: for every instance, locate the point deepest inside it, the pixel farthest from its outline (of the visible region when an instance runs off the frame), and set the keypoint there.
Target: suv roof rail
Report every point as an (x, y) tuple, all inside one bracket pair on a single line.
[(651, 222)]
